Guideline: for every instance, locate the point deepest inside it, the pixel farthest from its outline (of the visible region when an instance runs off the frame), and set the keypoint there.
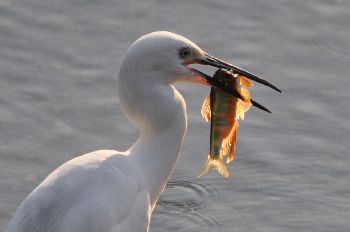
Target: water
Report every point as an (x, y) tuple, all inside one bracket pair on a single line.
[(59, 60)]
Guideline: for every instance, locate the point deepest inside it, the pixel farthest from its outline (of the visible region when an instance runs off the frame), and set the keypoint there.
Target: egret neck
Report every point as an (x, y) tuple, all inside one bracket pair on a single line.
[(158, 110)]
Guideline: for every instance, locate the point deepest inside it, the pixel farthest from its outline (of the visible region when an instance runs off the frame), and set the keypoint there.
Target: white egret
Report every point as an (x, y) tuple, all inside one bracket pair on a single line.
[(107, 190)]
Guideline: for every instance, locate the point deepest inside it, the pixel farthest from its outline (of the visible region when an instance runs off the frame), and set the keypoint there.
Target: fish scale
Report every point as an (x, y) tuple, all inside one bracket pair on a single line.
[(222, 109)]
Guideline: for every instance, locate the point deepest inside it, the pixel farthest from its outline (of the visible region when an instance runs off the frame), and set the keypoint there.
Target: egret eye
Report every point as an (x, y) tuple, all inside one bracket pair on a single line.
[(184, 52)]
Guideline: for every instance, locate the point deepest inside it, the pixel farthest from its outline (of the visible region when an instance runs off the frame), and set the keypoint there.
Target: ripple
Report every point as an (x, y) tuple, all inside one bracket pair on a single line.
[(185, 195), (189, 199)]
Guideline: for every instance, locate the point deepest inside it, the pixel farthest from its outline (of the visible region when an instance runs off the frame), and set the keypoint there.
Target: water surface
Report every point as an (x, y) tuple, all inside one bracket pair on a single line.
[(59, 61)]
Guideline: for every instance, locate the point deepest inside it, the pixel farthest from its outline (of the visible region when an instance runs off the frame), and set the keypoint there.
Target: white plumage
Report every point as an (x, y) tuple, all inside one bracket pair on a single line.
[(108, 190)]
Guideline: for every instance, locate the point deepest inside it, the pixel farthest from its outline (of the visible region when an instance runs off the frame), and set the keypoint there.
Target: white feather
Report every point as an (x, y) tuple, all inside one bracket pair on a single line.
[(108, 190)]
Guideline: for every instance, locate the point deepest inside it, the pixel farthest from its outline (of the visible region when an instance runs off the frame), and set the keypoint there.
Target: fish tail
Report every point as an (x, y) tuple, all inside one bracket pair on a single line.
[(218, 164)]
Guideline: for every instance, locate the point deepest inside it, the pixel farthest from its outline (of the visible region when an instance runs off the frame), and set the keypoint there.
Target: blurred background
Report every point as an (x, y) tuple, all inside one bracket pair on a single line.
[(59, 62)]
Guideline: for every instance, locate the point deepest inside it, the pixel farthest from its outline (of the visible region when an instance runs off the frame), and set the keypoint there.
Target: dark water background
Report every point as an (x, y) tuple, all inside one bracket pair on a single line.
[(58, 67)]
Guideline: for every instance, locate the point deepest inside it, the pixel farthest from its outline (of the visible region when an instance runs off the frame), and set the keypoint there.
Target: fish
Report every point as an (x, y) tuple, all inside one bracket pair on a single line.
[(223, 112)]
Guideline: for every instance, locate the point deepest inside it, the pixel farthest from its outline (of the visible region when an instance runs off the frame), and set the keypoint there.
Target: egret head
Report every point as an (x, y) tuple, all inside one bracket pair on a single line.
[(166, 57), (164, 54)]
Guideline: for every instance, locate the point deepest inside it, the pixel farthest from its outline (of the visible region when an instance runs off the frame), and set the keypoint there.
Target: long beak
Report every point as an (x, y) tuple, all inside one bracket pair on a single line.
[(221, 85), (215, 62)]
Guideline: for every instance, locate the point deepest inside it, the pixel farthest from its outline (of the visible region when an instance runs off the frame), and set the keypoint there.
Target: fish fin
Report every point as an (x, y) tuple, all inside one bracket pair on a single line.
[(206, 109), (245, 81), (227, 142), (245, 94), (233, 143), (218, 164), (225, 145), (243, 106)]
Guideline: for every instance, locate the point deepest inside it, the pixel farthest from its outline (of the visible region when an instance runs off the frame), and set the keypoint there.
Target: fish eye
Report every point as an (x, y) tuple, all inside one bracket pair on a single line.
[(184, 52)]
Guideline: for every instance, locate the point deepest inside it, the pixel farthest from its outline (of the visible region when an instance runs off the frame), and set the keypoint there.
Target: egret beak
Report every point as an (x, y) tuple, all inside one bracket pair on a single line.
[(215, 62), (207, 59), (222, 86)]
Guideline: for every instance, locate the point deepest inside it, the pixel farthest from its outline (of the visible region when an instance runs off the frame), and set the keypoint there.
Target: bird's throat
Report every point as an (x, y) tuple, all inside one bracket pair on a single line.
[(160, 115)]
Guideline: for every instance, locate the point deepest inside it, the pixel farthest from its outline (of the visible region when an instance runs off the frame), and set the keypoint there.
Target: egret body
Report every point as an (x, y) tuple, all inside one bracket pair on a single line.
[(110, 191)]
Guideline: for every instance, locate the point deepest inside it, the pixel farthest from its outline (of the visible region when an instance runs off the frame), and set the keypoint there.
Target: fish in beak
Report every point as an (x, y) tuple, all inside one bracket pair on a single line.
[(215, 62), (210, 60)]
